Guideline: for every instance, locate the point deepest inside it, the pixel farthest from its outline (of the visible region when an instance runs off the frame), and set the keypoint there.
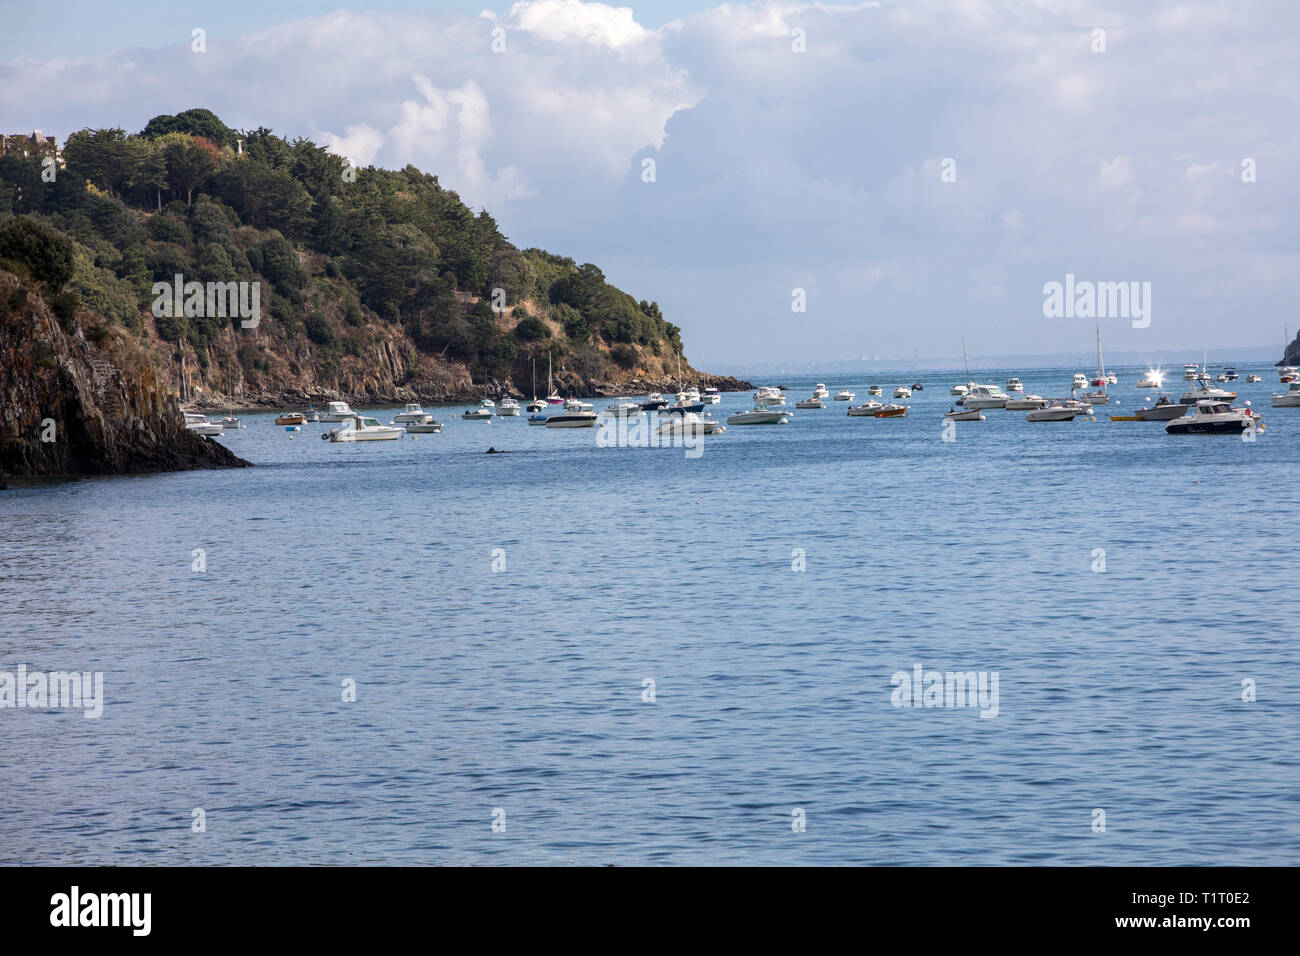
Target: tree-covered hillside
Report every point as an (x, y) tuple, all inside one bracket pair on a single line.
[(359, 268)]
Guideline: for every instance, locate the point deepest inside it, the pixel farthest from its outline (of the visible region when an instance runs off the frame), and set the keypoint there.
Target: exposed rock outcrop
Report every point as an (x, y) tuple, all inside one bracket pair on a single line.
[(71, 408)]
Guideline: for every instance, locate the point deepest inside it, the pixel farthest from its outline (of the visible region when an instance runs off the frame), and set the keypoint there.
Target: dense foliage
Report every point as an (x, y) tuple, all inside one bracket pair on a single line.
[(188, 195)]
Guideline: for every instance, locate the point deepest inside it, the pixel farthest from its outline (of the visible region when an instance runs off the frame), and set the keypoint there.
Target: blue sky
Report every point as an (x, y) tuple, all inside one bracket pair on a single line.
[(920, 169)]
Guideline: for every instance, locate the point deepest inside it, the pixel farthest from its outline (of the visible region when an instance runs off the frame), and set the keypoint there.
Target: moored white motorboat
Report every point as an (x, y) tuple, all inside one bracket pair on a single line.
[(481, 414), (1056, 412), (758, 416), (426, 427), (1230, 375), (844, 395), (767, 396), (360, 428), (1288, 399), (875, 390), (338, 412), (866, 410), (1014, 385), (1024, 403), (902, 392), (1287, 374), (1154, 378), (690, 424), (624, 408), (1079, 381), (1190, 371), (230, 422), (201, 425), (971, 415), (1252, 377), (820, 391), (985, 396), (572, 418), (509, 408), (578, 405), (710, 396), (412, 413), (1209, 417), (1206, 391), (1098, 397), (654, 401)]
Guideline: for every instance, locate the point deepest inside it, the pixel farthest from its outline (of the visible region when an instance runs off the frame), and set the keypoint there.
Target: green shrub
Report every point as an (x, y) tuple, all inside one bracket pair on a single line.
[(42, 248)]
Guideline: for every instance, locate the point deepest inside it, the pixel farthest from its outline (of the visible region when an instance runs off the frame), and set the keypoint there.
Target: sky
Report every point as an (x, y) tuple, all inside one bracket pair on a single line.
[(910, 171)]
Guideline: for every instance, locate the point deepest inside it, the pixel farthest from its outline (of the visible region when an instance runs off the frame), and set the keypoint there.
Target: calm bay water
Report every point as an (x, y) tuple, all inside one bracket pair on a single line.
[(522, 690)]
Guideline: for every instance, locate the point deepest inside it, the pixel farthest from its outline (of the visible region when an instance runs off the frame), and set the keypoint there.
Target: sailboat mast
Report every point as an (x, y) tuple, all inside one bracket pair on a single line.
[(965, 361)]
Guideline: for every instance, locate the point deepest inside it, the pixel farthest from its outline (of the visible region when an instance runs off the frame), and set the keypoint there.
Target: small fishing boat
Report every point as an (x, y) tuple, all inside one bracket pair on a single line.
[(1163, 410), (1288, 399), (891, 410), (918, 387), (844, 395), (810, 403), (509, 408), (427, 427), (1014, 385), (1252, 377), (654, 401), (481, 414), (624, 408), (230, 422), (866, 410), (902, 392), (292, 418), (973, 415), (1057, 412), (710, 396), (819, 391)]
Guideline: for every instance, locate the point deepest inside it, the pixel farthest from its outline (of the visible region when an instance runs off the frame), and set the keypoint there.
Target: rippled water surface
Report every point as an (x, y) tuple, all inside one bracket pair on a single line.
[(522, 689)]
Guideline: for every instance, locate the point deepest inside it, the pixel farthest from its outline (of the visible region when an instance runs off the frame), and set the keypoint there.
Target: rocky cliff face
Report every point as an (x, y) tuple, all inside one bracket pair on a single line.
[(71, 408)]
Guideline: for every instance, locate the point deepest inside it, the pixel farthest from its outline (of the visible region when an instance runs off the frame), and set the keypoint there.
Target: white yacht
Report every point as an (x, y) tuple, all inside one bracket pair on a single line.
[(508, 408), (578, 405), (1111, 379), (200, 425), (690, 424), (985, 396), (1057, 412), (413, 413), (710, 396), (360, 428), (960, 389), (482, 413), (338, 412), (1154, 378), (1288, 399), (819, 391), (572, 418), (758, 416), (1231, 375), (654, 401), (1025, 403), (875, 390), (1079, 381), (769, 395), (844, 395), (1208, 416), (1014, 385), (690, 396), (1206, 391), (1252, 377), (902, 392)]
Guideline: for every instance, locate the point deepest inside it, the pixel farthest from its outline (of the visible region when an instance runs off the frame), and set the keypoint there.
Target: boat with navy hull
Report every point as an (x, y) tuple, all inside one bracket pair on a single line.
[(1208, 417)]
